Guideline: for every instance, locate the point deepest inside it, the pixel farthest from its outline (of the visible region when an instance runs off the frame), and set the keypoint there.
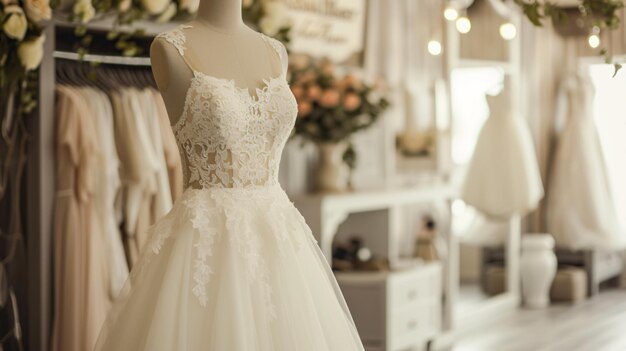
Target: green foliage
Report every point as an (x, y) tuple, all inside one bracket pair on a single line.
[(603, 13)]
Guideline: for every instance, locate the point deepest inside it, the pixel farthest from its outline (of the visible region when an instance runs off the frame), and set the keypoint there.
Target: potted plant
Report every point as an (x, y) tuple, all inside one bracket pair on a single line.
[(331, 108)]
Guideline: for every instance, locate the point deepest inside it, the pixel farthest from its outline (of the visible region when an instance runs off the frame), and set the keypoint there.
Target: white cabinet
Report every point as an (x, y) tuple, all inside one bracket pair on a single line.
[(398, 310)]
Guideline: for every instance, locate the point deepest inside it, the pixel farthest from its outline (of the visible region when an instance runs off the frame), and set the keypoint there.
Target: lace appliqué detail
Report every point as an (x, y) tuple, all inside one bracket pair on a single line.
[(230, 138), (176, 37)]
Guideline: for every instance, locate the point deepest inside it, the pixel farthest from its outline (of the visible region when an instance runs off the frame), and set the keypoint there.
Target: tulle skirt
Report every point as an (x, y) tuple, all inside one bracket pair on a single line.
[(230, 270)]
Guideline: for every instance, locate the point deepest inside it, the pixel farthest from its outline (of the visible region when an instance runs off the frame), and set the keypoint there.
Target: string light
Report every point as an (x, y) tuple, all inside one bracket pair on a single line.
[(463, 25), (508, 31), (594, 38), (434, 47), (594, 41), (450, 13)]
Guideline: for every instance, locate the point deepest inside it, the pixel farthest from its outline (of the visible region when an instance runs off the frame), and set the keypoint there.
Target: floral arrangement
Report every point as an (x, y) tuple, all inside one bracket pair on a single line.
[(21, 49), (332, 108)]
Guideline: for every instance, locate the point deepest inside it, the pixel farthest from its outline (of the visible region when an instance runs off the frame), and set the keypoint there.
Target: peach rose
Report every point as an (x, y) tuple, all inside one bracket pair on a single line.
[(314, 92), (38, 10), (299, 61), (297, 91), (329, 98), (327, 67), (304, 108), (308, 77), (351, 102)]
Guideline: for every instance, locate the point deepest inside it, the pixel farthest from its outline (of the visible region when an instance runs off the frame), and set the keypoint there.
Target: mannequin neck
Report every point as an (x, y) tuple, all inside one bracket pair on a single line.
[(221, 15)]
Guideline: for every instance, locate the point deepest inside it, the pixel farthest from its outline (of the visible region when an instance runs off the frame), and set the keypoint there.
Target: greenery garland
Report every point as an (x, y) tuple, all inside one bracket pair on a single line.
[(601, 14)]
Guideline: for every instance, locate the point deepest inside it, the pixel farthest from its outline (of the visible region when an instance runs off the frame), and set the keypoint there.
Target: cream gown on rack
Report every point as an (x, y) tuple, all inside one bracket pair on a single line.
[(233, 266)]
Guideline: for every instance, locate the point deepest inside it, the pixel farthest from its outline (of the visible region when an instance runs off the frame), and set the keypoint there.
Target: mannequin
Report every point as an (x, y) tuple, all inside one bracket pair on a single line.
[(219, 44)]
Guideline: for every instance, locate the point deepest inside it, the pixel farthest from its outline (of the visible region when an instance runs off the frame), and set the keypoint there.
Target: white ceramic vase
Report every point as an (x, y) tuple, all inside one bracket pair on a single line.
[(332, 172), (538, 267)]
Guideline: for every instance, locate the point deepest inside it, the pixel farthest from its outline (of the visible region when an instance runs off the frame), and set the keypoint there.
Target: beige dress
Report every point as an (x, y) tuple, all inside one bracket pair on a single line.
[(81, 301), (107, 189), (135, 171)]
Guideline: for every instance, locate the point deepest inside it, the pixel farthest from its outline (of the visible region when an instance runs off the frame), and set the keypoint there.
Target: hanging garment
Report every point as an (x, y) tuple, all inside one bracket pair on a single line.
[(137, 171), (503, 176), (81, 295), (107, 189), (581, 211), (170, 149), (233, 266)]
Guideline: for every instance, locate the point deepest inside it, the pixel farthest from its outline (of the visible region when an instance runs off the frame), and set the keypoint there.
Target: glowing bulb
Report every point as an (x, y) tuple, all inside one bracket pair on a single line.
[(463, 25), (508, 31), (594, 40), (450, 14), (434, 47)]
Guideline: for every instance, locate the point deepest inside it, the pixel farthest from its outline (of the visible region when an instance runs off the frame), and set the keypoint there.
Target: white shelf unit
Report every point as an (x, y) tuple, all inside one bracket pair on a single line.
[(399, 309)]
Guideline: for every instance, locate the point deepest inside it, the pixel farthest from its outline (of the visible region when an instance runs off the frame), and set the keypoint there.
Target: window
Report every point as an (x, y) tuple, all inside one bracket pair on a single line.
[(609, 112)]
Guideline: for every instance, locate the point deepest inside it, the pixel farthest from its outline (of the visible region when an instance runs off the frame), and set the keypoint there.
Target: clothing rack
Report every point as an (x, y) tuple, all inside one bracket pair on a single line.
[(106, 59)]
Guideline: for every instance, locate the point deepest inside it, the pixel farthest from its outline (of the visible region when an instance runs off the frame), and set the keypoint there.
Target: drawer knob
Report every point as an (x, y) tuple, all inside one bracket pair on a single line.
[(412, 295)]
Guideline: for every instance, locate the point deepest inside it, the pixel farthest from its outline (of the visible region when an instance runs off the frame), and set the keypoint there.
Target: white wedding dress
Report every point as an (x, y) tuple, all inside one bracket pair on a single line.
[(233, 266)]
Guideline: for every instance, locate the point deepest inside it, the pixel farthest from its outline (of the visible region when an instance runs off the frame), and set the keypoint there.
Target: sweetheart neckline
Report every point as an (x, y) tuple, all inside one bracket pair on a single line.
[(267, 82)]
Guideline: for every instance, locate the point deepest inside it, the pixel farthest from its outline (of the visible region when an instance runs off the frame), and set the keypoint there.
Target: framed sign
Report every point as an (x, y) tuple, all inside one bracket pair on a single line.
[(333, 29)]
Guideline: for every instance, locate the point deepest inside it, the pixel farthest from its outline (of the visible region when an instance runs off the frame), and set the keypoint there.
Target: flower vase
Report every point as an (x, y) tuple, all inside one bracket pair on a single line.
[(332, 172), (538, 266)]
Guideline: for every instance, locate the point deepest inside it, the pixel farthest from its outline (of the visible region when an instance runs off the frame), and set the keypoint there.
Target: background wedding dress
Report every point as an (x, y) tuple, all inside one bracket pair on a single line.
[(581, 210), (233, 266), (503, 176)]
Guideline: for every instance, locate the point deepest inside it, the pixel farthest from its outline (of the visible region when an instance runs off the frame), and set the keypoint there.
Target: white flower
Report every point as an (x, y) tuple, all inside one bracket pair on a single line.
[(16, 24), (167, 15), (275, 9), (30, 52), (124, 5), (84, 11), (275, 17), (155, 7), (269, 25), (190, 6), (38, 10)]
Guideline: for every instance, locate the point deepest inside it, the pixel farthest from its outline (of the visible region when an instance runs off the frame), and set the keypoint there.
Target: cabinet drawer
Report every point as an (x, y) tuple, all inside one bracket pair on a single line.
[(417, 288), (416, 324)]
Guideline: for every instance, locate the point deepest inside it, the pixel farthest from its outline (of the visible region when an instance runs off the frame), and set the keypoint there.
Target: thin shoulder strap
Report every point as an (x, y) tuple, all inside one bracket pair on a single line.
[(177, 38), (280, 50)]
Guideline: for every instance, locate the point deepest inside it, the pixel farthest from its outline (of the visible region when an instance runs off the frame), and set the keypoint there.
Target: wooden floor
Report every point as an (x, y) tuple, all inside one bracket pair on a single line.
[(598, 324)]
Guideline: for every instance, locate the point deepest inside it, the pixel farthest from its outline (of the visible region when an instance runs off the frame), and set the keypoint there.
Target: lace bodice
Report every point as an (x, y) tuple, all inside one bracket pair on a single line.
[(228, 137)]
